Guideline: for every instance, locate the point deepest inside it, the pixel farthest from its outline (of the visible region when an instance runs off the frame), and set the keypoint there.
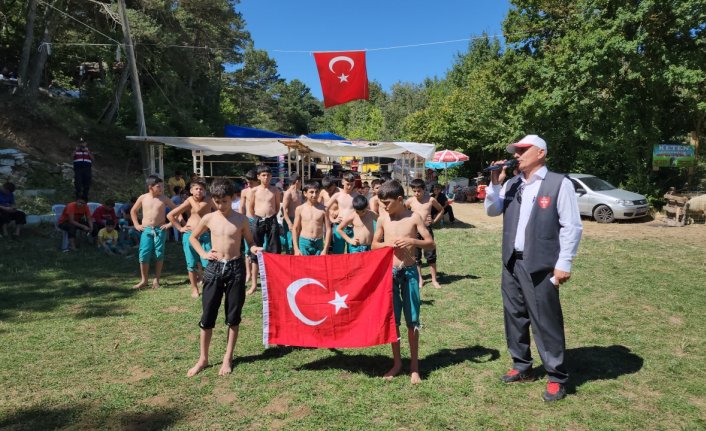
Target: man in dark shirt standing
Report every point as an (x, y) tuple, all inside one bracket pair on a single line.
[(83, 164)]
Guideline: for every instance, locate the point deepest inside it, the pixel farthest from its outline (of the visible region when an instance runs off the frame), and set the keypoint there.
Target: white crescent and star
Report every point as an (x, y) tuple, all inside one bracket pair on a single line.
[(343, 77), (292, 290)]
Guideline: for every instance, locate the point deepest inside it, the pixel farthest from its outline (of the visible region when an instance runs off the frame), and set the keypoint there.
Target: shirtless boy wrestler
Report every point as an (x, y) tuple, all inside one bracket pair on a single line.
[(400, 230), (344, 199), (422, 204), (225, 273), (311, 232), (263, 202), (153, 227), (363, 221), (290, 201), (198, 205)]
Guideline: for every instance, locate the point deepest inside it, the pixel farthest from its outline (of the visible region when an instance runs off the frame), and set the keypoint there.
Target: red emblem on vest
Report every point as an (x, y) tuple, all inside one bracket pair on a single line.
[(544, 201)]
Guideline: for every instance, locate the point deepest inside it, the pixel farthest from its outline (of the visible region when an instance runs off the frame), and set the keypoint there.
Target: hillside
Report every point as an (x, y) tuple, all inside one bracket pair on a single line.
[(48, 133)]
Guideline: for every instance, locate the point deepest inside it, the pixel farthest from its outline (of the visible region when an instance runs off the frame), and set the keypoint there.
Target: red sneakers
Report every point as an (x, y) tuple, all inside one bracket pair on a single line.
[(555, 391), (515, 376)]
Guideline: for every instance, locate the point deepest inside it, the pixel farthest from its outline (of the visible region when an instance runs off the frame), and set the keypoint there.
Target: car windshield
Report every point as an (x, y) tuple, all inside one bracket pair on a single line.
[(597, 184)]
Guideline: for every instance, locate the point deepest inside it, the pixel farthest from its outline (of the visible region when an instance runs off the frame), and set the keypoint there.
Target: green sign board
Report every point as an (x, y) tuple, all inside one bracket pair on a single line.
[(673, 156)]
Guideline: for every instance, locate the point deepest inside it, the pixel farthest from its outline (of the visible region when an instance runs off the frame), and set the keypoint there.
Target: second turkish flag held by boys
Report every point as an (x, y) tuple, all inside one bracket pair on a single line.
[(343, 76), (342, 300)]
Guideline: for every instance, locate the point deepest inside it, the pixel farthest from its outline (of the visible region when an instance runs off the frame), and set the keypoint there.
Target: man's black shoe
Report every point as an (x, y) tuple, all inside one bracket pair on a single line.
[(555, 391), (514, 376)]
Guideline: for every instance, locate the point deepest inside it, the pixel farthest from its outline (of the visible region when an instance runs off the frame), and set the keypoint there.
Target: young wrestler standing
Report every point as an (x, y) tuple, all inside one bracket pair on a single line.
[(344, 199), (311, 232), (400, 229), (198, 205), (422, 204), (374, 201), (153, 227), (250, 264), (363, 221), (290, 201), (225, 273), (263, 203)]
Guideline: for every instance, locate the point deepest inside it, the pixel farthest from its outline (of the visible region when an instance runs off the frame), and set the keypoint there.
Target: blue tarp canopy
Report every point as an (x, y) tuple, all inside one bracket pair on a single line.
[(232, 131)]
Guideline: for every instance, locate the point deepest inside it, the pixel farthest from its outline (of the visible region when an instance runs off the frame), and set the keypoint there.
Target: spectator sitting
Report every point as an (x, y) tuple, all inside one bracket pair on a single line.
[(76, 216), (108, 239), (8, 212), (102, 214)]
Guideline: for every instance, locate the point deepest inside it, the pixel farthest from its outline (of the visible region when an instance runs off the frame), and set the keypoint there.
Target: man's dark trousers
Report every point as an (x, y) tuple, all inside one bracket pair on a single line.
[(533, 299)]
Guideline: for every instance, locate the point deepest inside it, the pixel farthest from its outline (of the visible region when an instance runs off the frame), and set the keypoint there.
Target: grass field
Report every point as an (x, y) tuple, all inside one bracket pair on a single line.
[(81, 350)]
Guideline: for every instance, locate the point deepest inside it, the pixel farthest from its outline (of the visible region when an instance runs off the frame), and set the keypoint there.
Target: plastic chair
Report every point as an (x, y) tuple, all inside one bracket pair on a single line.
[(57, 210), (93, 206)]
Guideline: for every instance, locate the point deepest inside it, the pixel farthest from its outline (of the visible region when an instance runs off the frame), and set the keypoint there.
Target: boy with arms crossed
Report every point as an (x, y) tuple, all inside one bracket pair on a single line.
[(311, 224), (422, 204), (290, 201), (153, 227), (344, 199), (400, 229), (198, 205), (225, 273), (363, 221), (263, 203)]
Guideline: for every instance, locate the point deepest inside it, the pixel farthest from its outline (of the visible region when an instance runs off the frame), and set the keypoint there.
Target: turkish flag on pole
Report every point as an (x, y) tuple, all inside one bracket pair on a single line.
[(341, 300), (343, 76)]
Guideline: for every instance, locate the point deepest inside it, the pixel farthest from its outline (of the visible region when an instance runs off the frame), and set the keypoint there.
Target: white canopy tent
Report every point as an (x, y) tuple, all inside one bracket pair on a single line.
[(302, 147)]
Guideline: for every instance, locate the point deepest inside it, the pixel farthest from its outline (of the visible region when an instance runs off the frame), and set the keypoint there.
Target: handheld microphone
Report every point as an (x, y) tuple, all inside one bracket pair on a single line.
[(510, 164)]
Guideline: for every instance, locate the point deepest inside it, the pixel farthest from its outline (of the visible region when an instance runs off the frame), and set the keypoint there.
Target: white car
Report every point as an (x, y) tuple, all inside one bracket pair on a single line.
[(606, 203)]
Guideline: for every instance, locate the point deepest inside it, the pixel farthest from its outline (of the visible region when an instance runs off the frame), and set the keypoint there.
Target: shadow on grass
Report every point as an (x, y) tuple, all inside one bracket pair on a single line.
[(36, 418), (377, 365), (157, 420), (586, 364), (590, 363), (455, 225), (90, 283), (450, 278), (41, 418), (429, 302), (270, 353)]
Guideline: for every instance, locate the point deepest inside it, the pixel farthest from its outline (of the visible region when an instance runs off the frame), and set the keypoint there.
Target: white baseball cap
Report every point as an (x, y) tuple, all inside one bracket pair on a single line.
[(526, 142)]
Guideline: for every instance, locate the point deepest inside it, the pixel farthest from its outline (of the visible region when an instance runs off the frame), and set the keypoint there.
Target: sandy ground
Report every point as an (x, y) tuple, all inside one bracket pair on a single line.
[(645, 228)]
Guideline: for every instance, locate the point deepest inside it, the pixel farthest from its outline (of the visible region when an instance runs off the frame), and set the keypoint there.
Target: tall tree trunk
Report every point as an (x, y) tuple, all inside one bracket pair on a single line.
[(27, 45), (40, 59), (108, 116)]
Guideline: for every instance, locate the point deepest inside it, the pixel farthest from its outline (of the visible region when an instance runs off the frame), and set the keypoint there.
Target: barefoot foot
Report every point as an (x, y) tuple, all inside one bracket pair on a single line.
[(395, 370), (415, 378), (436, 284), (251, 290), (200, 365), (155, 283), (195, 293), (140, 285), (226, 368)]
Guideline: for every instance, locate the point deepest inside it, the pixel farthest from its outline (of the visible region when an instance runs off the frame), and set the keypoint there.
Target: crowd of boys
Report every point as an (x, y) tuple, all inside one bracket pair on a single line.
[(224, 229)]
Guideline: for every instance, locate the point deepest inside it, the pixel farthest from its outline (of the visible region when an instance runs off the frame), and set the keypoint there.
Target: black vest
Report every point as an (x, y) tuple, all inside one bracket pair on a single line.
[(542, 232)]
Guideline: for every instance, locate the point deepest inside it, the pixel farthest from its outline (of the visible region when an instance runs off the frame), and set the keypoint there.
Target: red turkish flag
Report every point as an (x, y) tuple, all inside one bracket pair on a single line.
[(343, 76), (341, 300)]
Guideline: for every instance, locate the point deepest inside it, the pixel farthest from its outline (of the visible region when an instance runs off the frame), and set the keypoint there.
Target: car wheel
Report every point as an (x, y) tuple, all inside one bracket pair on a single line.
[(603, 214)]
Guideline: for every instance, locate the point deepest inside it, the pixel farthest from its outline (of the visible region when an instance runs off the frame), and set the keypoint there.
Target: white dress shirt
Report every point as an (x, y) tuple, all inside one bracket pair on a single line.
[(567, 206)]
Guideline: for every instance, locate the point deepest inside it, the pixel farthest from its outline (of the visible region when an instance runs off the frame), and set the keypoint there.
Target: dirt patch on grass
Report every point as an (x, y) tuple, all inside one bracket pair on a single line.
[(693, 234), (136, 374)]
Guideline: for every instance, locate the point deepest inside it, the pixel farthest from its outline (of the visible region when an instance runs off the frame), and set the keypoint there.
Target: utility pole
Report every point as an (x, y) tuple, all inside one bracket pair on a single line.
[(135, 82)]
